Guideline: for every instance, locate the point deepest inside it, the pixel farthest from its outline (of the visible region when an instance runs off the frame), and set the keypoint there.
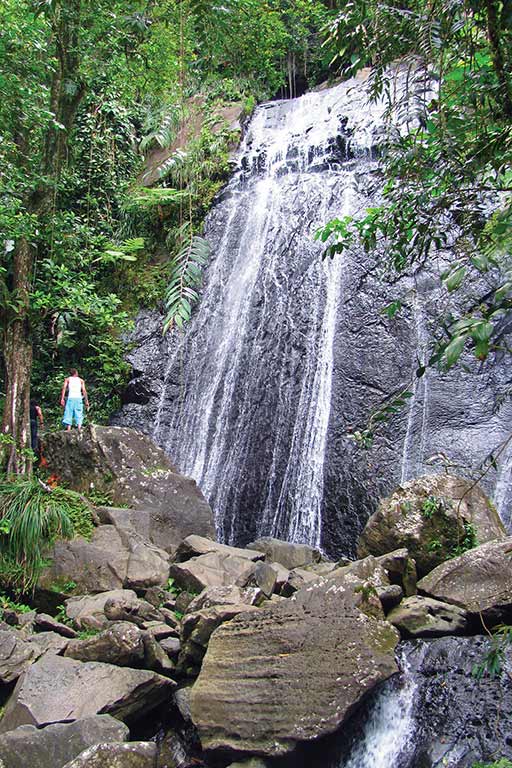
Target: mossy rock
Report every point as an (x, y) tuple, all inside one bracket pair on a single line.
[(436, 517)]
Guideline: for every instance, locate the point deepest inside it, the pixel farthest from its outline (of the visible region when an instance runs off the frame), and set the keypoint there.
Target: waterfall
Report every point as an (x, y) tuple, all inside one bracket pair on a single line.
[(388, 739), (286, 354)]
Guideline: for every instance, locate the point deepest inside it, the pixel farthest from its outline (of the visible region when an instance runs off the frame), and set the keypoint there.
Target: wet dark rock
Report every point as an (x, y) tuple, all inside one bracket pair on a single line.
[(53, 746), (430, 518), (459, 719)]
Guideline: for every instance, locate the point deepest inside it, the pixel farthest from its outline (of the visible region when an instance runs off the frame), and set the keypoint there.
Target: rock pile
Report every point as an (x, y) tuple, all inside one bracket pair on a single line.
[(239, 654)]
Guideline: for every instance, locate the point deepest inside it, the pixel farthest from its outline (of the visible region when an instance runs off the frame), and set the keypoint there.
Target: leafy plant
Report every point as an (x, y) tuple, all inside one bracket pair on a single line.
[(493, 660), (430, 506), (468, 541), (502, 762), (7, 604), (185, 277), (34, 516), (434, 545)]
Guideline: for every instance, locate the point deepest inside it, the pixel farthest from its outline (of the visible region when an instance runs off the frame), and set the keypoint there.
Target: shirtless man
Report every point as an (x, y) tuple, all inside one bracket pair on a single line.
[(74, 404)]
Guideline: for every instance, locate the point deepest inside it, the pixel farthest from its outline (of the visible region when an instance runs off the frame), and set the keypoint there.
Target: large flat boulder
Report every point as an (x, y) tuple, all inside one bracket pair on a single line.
[(289, 672), (129, 467), (55, 745), (479, 581), (56, 689), (433, 517), (288, 555)]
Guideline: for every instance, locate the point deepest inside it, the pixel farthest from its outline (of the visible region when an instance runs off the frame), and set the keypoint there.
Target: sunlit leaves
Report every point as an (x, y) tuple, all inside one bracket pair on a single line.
[(184, 278)]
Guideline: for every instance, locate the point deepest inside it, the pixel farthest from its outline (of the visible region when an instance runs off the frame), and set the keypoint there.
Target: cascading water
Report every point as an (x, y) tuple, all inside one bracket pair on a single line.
[(388, 740), (287, 354)]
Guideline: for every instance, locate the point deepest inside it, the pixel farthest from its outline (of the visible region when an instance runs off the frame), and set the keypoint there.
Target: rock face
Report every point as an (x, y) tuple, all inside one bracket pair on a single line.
[(215, 569), (478, 581), (129, 467), (431, 516), (423, 617), (289, 672), (55, 745), (459, 720), (90, 688), (234, 398)]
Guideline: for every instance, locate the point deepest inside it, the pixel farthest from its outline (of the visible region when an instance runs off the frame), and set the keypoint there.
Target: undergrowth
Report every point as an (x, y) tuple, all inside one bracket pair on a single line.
[(32, 517)]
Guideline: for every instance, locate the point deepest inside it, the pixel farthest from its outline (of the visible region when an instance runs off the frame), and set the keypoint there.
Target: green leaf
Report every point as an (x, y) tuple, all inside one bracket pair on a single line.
[(455, 278), (454, 350)]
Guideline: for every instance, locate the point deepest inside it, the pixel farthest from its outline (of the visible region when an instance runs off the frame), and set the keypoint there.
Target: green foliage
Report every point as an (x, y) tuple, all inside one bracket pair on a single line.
[(7, 604), (469, 540), (430, 506), (62, 616), (448, 181), (33, 516), (184, 278), (172, 587), (492, 663), (86, 634), (364, 437), (502, 762)]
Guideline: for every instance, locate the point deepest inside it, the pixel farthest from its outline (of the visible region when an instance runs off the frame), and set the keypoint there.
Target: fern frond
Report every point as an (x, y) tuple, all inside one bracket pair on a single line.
[(184, 277)]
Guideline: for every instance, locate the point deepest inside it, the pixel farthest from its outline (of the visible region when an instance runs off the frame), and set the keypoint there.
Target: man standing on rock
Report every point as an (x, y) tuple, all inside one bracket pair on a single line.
[(74, 405)]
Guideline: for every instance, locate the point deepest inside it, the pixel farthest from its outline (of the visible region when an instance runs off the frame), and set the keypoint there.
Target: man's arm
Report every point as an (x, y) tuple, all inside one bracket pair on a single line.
[(39, 415), (84, 393), (62, 394)]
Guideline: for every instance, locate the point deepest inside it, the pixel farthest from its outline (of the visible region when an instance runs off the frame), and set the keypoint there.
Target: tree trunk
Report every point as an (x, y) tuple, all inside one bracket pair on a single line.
[(494, 35), (17, 351), (66, 92)]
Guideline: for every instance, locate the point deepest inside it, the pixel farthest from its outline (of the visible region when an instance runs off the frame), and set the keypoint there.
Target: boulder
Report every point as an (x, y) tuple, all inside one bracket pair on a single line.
[(289, 672), (298, 579), (401, 569), (197, 628), (134, 754), (134, 472), (265, 578), (214, 569), (48, 642), (479, 581), (53, 746), (194, 546), (423, 617), (114, 558), (124, 607), (231, 595), (88, 612), (98, 565), (287, 554), (171, 646), (45, 623), (155, 657), (121, 644), (15, 655), (369, 580), (432, 517), (57, 689), (282, 575)]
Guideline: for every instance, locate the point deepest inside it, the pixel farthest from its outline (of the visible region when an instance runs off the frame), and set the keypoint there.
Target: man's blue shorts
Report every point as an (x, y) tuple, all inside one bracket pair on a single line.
[(74, 410)]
